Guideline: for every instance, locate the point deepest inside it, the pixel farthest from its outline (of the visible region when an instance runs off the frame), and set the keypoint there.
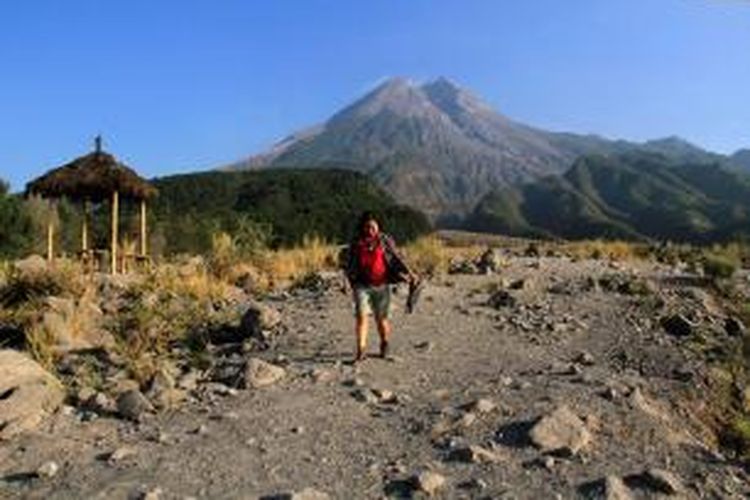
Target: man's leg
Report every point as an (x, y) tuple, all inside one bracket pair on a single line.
[(384, 329), (361, 330)]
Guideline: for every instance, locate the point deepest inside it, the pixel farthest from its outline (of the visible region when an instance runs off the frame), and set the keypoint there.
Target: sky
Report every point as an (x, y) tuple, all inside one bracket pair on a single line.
[(183, 85)]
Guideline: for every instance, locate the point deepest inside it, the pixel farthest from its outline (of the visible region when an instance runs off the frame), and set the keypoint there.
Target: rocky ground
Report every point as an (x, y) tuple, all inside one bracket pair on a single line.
[(549, 379)]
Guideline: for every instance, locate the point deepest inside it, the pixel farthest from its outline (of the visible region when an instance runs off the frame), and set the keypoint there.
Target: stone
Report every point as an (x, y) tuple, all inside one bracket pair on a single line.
[(101, 403), (490, 261), (428, 482), (163, 392), (560, 431), (259, 373), (133, 405), (75, 325), (28, 393), (259, 321), (153, 494), (31, 266), (365, 395), (678, 325), (585, 358), (48, 470), (612, 488), (661, 481), (481, 406), (322, 376), (189, 381), (306, 494), (475, 454), (384, 395), (500, 299), (120, 455), (734, 327), (467, 419)]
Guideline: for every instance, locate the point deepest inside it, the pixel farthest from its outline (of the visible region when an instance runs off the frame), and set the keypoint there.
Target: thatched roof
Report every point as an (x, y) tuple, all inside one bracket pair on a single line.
[(94, 176)]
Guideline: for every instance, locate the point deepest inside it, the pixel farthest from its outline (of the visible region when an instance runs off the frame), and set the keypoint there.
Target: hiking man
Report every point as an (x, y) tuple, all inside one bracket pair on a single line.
[(373, 264)]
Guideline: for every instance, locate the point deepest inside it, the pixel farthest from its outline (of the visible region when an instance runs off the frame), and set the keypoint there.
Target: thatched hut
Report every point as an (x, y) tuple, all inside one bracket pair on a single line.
[(94, 178)]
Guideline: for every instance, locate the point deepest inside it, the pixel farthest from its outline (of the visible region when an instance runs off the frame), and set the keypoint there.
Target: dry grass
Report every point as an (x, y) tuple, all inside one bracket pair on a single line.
[(292, 264), (427, 255), (606, 249)]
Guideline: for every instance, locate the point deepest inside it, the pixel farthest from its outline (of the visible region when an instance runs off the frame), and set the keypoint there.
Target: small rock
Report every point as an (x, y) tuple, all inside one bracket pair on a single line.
[(154, 494), (613, 488), (560, 431), (306, 494), (365, 395), (428, 482), (120, 455), (384, 395), (548, 462), (500, 299), (475, 454), (321, 376), (133, 405), (661, 481), (678, 325), (260, 321), (48, 470), (584, 358), (189, 380), (481, 406), (425, 346), (259, 373), (467, 420), (734, 327)]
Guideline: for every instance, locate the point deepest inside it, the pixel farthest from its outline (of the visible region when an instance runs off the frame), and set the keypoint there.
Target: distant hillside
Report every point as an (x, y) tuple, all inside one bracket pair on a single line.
[(440, 148), (293, 203), (741, 159), (631, 196)]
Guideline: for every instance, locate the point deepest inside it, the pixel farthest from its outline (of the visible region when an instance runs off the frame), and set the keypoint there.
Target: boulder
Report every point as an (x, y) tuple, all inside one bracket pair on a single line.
[(28, 393), (560, 431), (661, 481), (259, 321), (259, 373), (163, 391), (133, 405), (33, 265), (75, 325), (428, 482), (490, 261)]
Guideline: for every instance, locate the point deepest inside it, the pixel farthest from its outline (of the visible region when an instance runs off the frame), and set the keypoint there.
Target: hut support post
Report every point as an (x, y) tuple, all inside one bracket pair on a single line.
[(50, 233), (115, 222), (143, 228), (85, 228)]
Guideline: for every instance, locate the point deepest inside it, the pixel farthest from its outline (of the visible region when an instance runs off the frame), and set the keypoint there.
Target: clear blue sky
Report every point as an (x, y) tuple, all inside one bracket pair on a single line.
[(176, 86)]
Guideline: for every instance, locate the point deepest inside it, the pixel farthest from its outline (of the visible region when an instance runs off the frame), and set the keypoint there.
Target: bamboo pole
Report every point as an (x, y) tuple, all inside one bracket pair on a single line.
[(115, 222), (50, 233), (85, 229), (143, 228)]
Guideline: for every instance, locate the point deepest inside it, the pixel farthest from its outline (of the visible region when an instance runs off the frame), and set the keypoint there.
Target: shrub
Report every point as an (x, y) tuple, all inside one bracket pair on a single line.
[(427, 255), (719, 266)]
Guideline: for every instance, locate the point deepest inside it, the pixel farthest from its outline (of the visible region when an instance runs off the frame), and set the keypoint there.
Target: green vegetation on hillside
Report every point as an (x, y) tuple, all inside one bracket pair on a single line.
[(635, 196), (282, 206)]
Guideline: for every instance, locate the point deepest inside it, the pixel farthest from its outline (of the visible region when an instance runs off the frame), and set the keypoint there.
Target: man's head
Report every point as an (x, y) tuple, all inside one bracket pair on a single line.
[(368, 225)]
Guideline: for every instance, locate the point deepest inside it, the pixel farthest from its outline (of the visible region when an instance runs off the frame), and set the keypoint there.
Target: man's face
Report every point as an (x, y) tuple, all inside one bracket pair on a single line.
[(371, 228)]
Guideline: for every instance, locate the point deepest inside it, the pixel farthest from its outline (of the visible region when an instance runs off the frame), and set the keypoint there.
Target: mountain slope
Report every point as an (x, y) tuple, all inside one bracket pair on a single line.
[(440, 148), (631, 196), (741, 159), (434, 146)]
